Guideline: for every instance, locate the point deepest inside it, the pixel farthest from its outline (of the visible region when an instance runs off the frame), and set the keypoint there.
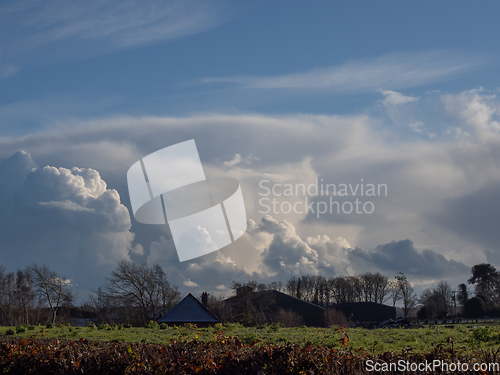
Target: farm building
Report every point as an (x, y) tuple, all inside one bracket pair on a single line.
[(265, 306), (366, 313), (190, 310)]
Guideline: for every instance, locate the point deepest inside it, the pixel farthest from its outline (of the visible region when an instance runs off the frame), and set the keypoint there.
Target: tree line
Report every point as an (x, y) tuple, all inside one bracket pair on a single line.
[(367, 287), (32, 295), (443, 301), (323, 291), (439, 302), (135, 293)]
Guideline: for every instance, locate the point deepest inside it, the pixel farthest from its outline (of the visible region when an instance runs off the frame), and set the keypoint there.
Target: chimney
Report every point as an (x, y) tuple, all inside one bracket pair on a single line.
[(204, 299)]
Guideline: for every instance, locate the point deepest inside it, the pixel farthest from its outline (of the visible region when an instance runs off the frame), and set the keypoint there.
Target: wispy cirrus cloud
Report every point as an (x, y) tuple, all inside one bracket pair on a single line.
[(102, 26), (391, 71), (125, 23)]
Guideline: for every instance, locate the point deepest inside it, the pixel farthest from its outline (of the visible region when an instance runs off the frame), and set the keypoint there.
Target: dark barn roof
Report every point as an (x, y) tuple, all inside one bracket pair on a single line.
[(366, 311), (312, 315), (189, 310)]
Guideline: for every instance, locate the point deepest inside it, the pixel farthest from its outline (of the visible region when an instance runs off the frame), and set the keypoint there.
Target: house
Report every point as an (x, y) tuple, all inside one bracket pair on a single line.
[(366, 314), (265, 306), (190, 310)]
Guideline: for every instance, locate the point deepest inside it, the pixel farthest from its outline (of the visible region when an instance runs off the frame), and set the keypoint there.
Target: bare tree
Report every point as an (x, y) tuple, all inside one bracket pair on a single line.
[(250, 286), (276, 285), (7, 287), (51, 287), (25, 297), (367, 286), (444, 295), (343, 288), (374, 287), (356, 291), (144, 287), (407, 293), (222, 310), (436, 302), (310, 288), (394, 292), (291, 287), (381, 287), (428, 300), (102, 305)]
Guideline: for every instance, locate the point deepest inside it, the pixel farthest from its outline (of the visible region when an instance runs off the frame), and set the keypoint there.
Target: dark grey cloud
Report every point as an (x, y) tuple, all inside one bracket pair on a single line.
[(401, 256), (475, 217)]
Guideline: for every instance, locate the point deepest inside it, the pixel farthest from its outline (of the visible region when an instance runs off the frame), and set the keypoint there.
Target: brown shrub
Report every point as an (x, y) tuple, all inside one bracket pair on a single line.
[(288, 318), (336, 317)]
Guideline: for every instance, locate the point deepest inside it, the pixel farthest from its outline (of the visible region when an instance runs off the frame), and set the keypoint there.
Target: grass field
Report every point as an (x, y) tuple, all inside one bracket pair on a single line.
[(420, 340), (234, 349)]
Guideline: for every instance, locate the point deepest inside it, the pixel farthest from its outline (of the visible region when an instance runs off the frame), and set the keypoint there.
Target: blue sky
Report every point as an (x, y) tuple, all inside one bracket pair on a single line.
[(101, 69), (402, 93)]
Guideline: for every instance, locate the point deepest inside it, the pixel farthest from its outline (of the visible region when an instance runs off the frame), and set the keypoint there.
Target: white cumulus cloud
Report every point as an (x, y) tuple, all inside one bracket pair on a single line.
[(66, 218), (478, 110), (394, 98)]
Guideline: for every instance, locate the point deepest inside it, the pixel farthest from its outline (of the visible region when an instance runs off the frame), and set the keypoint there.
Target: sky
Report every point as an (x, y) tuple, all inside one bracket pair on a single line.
[(398, 96)]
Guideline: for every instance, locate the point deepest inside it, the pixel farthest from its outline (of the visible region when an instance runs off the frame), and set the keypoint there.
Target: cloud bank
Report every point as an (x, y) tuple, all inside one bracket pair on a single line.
[(436, 211), (66, 218)]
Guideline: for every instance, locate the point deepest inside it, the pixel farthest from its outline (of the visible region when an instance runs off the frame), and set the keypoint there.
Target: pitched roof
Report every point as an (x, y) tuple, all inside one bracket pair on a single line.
[(271, 301), (281, 297), (189, 310), (366, 311)]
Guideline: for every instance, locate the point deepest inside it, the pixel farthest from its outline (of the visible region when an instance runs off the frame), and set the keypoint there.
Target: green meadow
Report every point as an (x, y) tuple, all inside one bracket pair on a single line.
[(418, 340)]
